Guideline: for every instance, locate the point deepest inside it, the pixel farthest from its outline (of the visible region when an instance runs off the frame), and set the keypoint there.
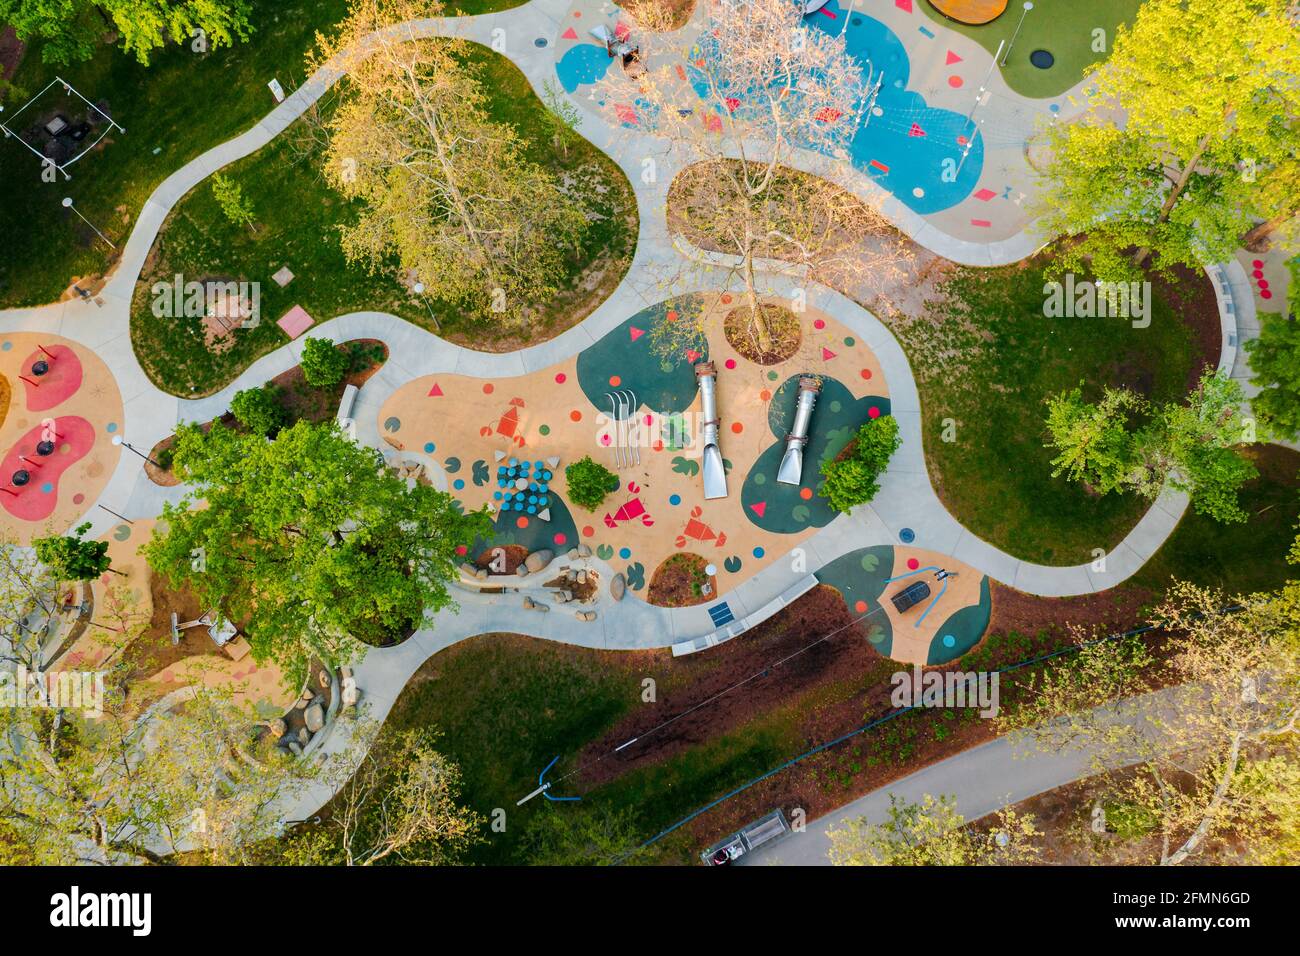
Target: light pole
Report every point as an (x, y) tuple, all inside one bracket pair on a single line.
[(419, 290), (1023, 13), (67, 204), (117, 440)]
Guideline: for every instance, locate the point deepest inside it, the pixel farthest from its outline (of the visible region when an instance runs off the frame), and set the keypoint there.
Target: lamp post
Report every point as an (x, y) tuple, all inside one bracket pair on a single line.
[(67, 204), (1023, 13), (419, 290), (117, 440)]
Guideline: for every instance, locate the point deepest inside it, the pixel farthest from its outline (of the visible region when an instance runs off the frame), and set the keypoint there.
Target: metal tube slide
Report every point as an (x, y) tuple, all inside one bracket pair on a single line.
[(715, 474), (791, 470)]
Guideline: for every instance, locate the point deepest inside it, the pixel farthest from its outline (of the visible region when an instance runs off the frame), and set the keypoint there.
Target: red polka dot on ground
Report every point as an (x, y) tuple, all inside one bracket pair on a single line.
[(521, 522), (765, 395), (805, 493), (737, 427), (913, 564), (78, 498), (865, 373), (615, 381), (575, 416), (560, 378), (730, 363), (860, 607), (462, 550), (819, 323), (588, 531), (560, 538), (726, 298), (873, 412), (955, 82), (488, 388)]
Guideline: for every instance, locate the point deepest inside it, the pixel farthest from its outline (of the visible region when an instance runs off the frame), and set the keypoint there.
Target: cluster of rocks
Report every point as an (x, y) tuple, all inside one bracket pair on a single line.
[(535, 562), (312, 705), (532, 605)]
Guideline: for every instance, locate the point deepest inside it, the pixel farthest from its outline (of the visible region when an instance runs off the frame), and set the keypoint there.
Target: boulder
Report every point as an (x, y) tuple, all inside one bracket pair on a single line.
[(573, 554), (528, 602), (584, 551), (481, 574), (345, 673), (350, 694), (467, 568), (303, 736), (323, 679), (315, 717), (295, 748), (538, 560), (586, 615), (617, 586), (278, 727), (302, 703)]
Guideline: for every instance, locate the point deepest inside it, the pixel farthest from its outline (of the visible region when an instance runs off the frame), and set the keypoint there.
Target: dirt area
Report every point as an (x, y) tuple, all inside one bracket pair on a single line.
[(508, 558), (659, 16), (836, 668), (583, 591), (680, 581), (782, 325), (153, 650), (11, 54)]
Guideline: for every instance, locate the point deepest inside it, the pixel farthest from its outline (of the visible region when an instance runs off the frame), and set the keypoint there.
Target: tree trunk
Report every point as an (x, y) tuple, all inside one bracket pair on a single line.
[(1171, 200), (1256, 238), (756, 310), (1220, 792)]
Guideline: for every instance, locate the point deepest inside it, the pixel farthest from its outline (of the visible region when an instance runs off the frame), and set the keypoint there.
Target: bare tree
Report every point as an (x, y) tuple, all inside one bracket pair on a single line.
[(760, 90)]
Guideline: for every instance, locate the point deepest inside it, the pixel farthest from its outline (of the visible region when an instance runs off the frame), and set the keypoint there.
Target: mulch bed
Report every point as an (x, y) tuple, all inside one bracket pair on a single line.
[(679, 582), (303, 402), (782, 324)]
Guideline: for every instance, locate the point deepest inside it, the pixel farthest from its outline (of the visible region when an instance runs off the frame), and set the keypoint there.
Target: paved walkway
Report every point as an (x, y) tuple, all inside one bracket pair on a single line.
[(906, 499), (981, 780)]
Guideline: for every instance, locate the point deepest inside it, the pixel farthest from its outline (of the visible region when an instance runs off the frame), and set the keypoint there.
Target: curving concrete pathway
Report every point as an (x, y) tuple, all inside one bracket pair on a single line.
[(906, 499)]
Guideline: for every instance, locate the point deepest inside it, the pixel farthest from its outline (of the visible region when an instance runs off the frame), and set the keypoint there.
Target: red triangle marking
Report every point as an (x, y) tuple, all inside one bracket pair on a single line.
[(759, 508), (436, 391), (692, 355), (636, 333), (827, 354), (916, 130), (953, 58), (570, 34)]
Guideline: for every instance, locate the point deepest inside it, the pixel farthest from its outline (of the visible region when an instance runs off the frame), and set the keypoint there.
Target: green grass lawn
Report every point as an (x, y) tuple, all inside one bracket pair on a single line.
[(181, 105), (1062, 27), (297, 216), (987, 358), (1239, 558)]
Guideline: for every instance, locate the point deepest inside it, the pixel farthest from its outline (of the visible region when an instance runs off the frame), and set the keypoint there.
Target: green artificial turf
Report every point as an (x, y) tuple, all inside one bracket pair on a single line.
[(1065, 28)]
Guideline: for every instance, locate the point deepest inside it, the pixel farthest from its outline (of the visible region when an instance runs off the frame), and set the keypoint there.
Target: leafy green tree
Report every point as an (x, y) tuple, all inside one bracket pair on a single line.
[(310, 539), (933, 833), (1190, 446), (589, 482), (71, 557), (323, 365), (561, 116), (1206, 144), (1275, 364), (854, 478), (446, 192), (1094, 440), (594, 835), (71, 30), (259, 410), (235, 206)]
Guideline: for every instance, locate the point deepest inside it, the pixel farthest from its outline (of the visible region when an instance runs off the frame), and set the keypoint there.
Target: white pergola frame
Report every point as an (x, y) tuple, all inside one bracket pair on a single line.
[(68, 88)]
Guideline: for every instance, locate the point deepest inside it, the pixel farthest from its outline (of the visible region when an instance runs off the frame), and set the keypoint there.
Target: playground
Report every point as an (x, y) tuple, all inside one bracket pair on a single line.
[(59, 412), (507, 443)]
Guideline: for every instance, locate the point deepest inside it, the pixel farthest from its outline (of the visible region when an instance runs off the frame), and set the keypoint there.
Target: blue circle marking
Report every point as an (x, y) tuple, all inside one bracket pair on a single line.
[(907, 536)]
